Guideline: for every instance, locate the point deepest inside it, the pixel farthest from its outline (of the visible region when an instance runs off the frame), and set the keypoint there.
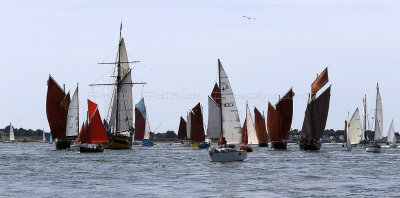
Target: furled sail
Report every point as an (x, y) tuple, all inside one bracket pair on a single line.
[(259, 122), (391, 136), (231, 129), (182, 132), (354, 129), (57, 103), (378, 115), (196, 125), (319, 82), (214, 119), (12, 138), (73, 116), (279, 118), (250, 129), (316, 115)]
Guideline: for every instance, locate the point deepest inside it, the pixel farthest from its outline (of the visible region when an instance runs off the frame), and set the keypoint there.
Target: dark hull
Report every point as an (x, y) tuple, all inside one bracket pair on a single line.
[(279, 145), (263, 144), (62, 144), (118, 142), (84, 149), (310, 146), (246, 148)]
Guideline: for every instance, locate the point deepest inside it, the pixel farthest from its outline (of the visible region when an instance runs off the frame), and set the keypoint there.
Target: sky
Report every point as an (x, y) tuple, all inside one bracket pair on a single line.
[(178, 43)]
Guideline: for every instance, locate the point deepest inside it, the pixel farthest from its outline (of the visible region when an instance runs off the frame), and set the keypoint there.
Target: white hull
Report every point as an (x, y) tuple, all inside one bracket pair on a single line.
[(347, 149), (373, 149), (74, 147), (227, 155)]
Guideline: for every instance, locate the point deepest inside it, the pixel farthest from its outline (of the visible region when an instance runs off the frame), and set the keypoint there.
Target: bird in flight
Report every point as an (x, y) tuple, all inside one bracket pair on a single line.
[(249, 18)]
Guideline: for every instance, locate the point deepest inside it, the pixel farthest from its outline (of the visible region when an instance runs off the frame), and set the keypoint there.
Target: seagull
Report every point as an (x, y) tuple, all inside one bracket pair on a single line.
[(250, 18)]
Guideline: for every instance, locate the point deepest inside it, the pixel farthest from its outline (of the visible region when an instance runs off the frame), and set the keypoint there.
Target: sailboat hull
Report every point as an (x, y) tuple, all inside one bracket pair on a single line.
[(310, 146), (226, 155), (118, 142), (88, 149), (373, 149), (279, 145), (393, 146), (263, 144), (63, 144)]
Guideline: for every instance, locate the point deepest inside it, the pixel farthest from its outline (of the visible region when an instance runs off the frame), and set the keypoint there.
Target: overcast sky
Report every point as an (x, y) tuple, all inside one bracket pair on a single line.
[(178, 44)]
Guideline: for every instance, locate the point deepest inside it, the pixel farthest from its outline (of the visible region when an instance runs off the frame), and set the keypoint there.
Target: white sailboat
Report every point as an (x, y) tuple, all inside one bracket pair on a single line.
[(354, 132), (373, 146), (44, 137), (11, 136), (72, 130), (391, 140), (230, 133)]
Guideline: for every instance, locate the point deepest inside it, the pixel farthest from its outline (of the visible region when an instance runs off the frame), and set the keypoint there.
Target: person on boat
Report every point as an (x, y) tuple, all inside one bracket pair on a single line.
[(222, 142)]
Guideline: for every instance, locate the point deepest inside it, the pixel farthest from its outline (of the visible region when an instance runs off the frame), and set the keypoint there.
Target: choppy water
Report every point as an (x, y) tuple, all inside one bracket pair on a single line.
[(37, 170)]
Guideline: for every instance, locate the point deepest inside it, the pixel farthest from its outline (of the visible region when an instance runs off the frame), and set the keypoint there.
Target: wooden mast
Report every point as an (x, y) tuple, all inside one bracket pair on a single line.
[(118, 79)]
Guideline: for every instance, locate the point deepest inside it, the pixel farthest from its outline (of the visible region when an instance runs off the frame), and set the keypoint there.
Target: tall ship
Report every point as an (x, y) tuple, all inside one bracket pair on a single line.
[(261, 130), (373, 145), (230, 130), (279, 120), (57, 105), (316, 114)]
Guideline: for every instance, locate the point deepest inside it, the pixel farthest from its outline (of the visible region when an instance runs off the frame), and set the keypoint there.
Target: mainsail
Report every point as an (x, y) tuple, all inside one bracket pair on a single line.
[(391, 136), (354, 128), (319, 82), (57, 103), (279, 119), (378, 115), (196, 124), (73, 116), (93, 131), (214, 113), (12, 138), (259, 122), (244, 134), (250, 129), (142, 128), (231, 129), (182, 132)]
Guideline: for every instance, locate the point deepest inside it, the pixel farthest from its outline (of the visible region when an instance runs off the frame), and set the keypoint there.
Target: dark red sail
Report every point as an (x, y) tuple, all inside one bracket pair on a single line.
[(140, 123), (196, 126), (216, 95), (321, 80), (279, 119), (244, 133), (57, 103), (259, 124), (95, 131), (92, 108), (82, 132), (182, 131)]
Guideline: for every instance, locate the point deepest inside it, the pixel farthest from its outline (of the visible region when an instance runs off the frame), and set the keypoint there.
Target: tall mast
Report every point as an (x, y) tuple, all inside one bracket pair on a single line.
[(118, 78), (220, 95), (365, 116), (77, 99)]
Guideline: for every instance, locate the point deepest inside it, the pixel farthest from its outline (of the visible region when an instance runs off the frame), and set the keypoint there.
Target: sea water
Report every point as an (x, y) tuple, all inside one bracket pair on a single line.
[(167, 170)]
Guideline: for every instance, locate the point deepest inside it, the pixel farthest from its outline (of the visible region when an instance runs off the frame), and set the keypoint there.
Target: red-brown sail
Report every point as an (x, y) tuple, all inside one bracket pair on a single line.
[(196, 126), (182, 131), (140, 123), (57, 103), (216, 95), (244, 132), (95, 131), (279, 119), (92, 108), (83, 129), (259, 123), (321, 80)]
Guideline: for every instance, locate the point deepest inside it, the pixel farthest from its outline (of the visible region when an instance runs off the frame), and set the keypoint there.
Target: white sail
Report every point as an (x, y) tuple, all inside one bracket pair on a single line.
[(230, 116), (378, 115), (73, 116), (123, 57), (391, 136), (364, 123), (348, 141), (214, 119), (44, 136), (251, 130), (354, 133), (188, 125), (12, 138)]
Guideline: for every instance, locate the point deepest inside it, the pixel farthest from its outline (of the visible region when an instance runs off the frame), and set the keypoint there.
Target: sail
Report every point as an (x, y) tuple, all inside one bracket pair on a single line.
[(189, 123), (231, 129), (44, 136), (182, 133), (73, 116), (244, 133), (123, 58), (251, 130), (378, 115), (214, 119), (81, 132), (391, 136), (216, 95), (196, 125), (141, 123), (279, 119), (57, 103), (316, 115), (345, 134), (354, 129), (321, 80), (91, 108), (259, 123), (96, 133), (12, 138), (347, 139)]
